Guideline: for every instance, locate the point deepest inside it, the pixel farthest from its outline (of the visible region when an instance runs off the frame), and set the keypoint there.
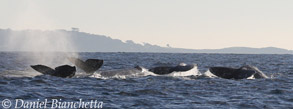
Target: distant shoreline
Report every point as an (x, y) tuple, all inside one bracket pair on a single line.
[(141, 53), (69, 41)]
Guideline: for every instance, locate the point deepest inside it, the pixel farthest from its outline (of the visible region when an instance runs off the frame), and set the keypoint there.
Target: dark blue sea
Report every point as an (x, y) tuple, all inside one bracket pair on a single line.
[(19, 81)]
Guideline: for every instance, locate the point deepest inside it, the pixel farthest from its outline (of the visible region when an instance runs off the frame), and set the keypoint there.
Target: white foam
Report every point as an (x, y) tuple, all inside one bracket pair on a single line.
[(193, 72), (209, 74), (122, 73), (251, 77)]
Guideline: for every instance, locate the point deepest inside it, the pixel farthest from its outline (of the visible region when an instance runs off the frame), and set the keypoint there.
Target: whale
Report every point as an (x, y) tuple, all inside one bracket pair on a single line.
[(64, 71), (244, 72), (89, 66), (128, 72), (181, 69)]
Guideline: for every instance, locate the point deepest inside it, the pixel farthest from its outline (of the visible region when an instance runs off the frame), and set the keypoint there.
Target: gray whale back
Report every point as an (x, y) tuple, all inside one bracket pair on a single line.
[(63, 71), (163, 70), (243, 72), (258, 74), (123, 72)]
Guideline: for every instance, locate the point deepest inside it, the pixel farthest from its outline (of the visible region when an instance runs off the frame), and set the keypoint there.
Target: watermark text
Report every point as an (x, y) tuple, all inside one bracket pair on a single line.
[(51, 103)]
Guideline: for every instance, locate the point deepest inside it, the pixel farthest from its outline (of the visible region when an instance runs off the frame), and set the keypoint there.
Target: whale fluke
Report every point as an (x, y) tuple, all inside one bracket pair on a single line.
[(43, 69), (169, 69), (61, 71), (89, 66), (243, 72)]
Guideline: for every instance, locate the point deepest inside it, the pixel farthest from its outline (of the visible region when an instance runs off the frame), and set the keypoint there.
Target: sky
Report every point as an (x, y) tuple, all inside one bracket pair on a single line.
[(194, 24)]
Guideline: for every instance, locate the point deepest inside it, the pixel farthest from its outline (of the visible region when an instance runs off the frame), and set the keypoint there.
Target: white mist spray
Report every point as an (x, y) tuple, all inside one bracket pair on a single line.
[(40, 47), (43, 47)]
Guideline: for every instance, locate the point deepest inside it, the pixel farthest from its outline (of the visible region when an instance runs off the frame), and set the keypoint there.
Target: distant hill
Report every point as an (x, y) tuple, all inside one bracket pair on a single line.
[(247, 50), (85, 42)]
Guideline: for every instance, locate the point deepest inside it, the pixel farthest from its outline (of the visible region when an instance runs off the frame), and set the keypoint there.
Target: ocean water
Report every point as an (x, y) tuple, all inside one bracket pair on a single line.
[(19, 81)]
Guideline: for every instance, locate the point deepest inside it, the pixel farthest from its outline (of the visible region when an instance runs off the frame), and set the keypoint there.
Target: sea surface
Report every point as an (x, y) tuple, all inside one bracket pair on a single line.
[(19, 81)]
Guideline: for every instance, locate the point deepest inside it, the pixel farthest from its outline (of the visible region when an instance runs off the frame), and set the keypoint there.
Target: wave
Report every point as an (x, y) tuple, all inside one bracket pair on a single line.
[(134, 73), (122, 74)]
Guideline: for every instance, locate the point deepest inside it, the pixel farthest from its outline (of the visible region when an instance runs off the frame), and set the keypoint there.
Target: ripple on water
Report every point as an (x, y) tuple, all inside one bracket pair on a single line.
[(162, 91)]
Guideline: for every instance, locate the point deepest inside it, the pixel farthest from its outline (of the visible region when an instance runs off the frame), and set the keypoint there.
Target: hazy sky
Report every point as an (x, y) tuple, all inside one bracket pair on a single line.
[(197, 24)]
